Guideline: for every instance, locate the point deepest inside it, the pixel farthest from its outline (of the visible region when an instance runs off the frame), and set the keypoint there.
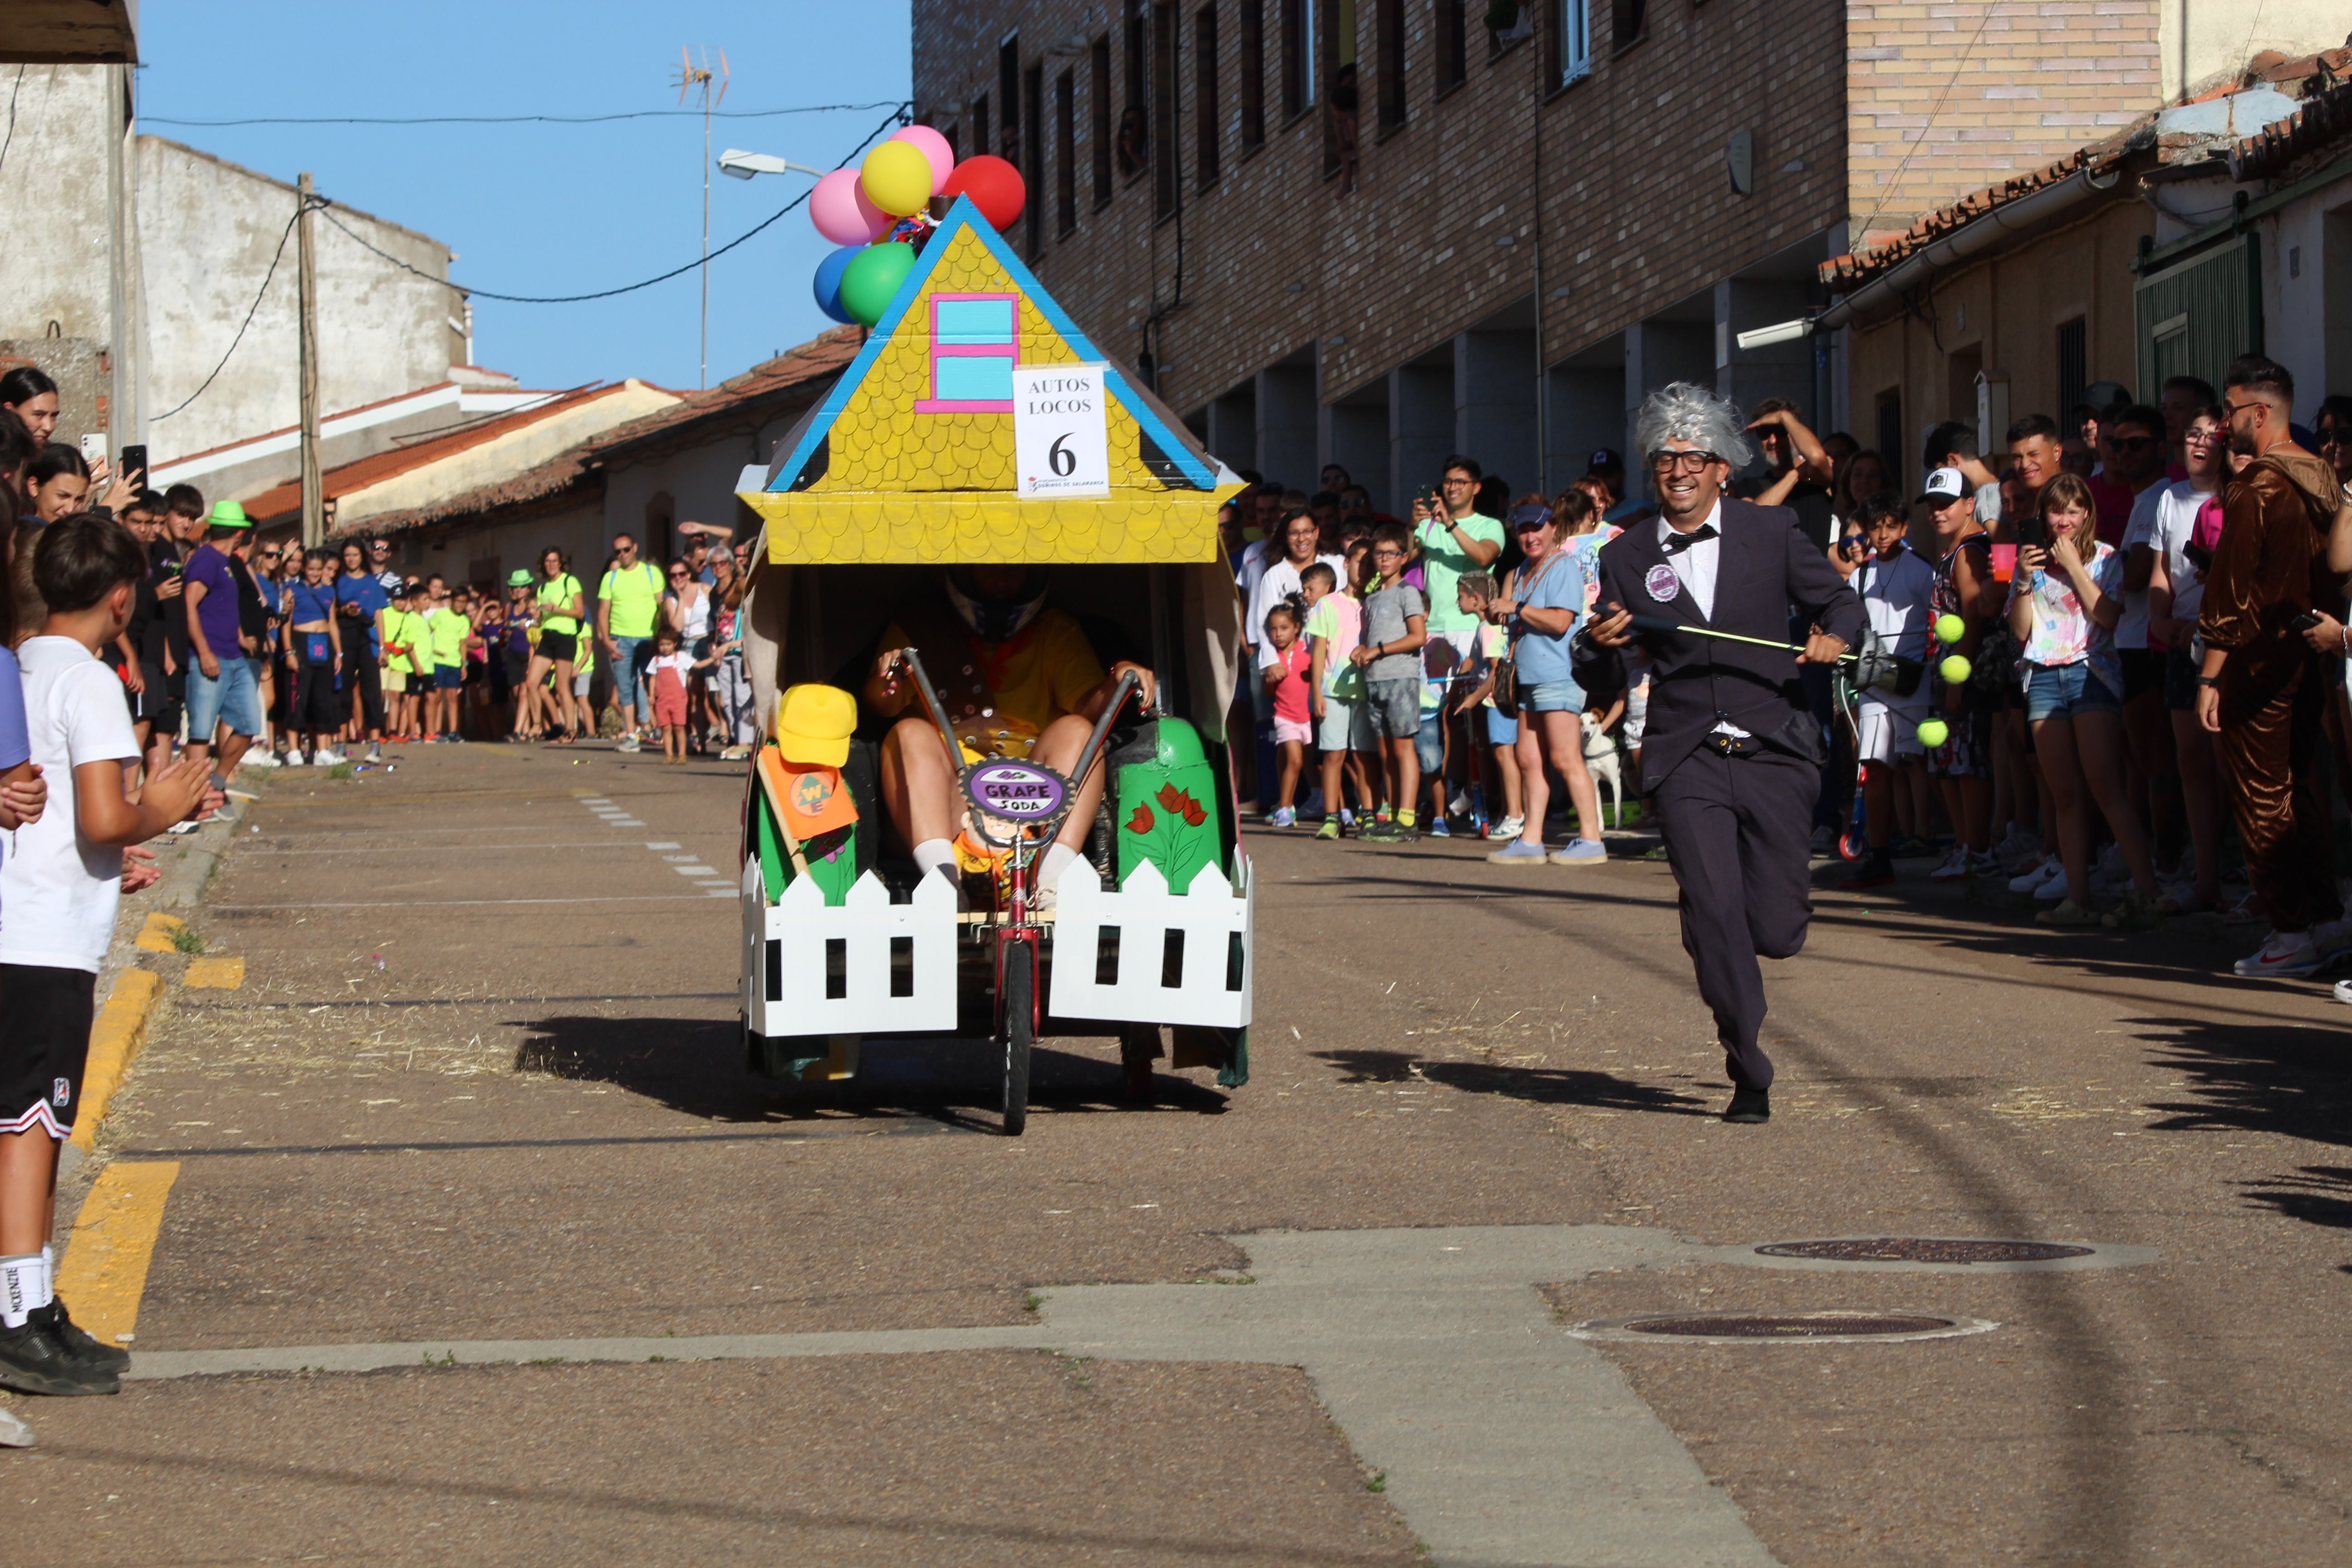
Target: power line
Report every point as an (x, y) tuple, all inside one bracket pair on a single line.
[(897, 112), (300, 207), (10, 139), (521, 118)]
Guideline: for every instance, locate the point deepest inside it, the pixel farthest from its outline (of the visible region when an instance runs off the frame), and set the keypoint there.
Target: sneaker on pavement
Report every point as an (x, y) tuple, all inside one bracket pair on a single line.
[(77, 1341), (375, 753), (2033, 877), (1331, 829), (1580, 852), (1954, 869), (1509, 827), (2344, 991), (1519, 852), (2050, 891), (14, 1434), (1438, 829), (328, 758), (33, 1361), (1282, 817), (1380, 830), (2289, 954), (259, 758), (2066, 912), (1984, 865), (1824, 841), (628, 744)]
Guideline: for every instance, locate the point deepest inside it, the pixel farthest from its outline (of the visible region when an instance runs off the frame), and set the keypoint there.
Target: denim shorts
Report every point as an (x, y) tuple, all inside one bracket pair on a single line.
[(235, 695), (1428, 741), (1393, 707), (2062, 690), (1502, 729), (1553, 697)]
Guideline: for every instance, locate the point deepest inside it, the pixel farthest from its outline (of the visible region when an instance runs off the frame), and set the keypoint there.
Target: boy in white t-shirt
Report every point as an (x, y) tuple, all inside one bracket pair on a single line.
[(59, 887), (1896, 586)]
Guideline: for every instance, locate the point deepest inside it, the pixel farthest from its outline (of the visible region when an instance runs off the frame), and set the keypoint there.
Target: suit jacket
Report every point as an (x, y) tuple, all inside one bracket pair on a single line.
[(1765, 568)]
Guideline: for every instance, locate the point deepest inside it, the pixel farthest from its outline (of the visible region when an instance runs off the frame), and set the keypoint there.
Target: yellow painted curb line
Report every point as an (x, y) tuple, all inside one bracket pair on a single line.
[(105, 1266), (114, 1043), (155, 936), (214, 974)]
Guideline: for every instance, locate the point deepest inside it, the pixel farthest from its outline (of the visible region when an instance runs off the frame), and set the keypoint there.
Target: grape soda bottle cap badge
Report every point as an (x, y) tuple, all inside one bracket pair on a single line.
[(1017, 791), (1662, 583)]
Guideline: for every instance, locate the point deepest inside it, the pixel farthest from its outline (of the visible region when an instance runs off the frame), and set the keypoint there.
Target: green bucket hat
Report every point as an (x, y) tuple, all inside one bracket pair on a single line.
[(227, 514), (517, 578)]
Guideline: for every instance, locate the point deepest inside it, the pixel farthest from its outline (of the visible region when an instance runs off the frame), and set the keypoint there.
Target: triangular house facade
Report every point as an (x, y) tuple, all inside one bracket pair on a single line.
[(909, 459)]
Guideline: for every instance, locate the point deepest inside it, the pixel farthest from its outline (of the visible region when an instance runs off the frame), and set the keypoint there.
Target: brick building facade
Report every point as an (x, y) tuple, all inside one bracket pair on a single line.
[(1515, 233)]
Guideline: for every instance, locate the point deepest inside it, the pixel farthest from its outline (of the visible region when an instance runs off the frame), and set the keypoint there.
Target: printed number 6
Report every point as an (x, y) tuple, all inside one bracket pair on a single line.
[(1062, 460)]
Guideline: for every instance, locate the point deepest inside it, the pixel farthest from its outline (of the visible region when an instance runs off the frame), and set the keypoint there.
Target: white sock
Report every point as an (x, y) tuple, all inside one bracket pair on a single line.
[(49, 1275), (21, 1279), (935, 854), (1057, 860)]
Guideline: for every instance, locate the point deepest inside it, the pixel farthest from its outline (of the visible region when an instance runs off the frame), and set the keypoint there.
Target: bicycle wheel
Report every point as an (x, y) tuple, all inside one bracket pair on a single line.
[(1020, 1029)]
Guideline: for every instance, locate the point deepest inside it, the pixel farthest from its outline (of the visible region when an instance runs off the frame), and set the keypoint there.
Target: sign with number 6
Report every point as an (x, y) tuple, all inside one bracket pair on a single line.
[(1060, 438)]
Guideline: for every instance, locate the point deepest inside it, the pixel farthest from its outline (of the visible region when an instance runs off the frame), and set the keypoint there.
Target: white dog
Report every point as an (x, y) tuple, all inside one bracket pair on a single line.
[(1600, 762)]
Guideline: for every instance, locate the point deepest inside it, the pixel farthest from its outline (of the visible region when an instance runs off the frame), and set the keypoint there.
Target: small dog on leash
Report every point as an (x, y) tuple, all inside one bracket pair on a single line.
[(1601, 761)]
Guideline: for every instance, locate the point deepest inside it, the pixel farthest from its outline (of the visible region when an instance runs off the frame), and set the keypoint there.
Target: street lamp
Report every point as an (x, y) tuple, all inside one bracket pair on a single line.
[(743, 165)]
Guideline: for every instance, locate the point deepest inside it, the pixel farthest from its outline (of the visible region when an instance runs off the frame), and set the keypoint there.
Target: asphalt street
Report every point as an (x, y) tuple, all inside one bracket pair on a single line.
[(474, 1136)]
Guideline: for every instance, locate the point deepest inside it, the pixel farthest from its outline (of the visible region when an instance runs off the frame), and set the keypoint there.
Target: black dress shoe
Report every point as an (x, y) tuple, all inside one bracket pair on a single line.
[(1749, 1105)]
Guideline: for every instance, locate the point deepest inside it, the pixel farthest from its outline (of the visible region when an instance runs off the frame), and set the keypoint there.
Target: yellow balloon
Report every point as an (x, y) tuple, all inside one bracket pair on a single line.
[(896, 178)]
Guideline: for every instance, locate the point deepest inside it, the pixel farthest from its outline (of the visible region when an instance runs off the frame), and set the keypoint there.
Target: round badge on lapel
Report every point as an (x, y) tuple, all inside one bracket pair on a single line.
[(1663, 583)]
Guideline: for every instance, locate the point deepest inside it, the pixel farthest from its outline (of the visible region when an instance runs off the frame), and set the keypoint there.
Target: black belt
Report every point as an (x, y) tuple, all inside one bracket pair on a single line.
[(1733, 745)]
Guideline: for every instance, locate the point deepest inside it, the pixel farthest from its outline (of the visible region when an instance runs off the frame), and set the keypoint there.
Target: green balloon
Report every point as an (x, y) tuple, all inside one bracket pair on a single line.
[(1954, 670), (872, 277), (1933, 732), (1950, 629)]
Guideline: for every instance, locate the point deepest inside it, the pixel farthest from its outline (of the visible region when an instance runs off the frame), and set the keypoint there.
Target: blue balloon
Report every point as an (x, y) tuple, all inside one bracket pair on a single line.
[(828, 282)]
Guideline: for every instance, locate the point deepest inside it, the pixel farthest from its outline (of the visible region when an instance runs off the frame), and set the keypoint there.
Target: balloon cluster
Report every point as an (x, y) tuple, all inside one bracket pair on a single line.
[(879, 214)]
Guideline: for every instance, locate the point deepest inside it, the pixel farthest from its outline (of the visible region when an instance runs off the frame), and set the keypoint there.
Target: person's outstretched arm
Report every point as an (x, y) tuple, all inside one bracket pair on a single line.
[(1826, 598)]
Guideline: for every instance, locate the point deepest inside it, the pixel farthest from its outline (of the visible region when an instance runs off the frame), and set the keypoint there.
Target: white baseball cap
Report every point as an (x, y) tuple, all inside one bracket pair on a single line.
[(1945, 486)]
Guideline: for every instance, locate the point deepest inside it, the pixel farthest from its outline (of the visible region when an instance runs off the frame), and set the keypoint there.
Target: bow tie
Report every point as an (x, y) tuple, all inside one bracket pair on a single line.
[(1675, 544)]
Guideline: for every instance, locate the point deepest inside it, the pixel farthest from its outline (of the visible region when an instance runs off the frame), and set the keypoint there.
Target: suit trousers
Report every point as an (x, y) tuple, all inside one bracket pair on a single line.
[(2268, 754), (1738, 831)]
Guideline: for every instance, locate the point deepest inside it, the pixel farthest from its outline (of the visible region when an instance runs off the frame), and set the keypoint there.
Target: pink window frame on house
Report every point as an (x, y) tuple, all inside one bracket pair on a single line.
[(1009, 351)]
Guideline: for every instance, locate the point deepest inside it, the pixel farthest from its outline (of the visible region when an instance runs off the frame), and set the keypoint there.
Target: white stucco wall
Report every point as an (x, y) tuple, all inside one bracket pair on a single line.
[(699, 480), (2205, 39), (207, 231), (2307, 259)]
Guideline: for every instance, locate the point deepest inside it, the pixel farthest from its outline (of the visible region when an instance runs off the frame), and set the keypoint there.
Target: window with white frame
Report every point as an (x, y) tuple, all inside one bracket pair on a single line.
[(1575, 40)]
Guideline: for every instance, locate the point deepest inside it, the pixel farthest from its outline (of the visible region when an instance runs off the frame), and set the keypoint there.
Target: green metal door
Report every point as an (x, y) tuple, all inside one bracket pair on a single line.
[(2196, 316)]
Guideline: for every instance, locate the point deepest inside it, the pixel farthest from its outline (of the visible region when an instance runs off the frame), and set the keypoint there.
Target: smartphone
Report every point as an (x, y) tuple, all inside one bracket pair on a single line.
[(93, 449), (2032, 533), (135, 461), (2304, 622)]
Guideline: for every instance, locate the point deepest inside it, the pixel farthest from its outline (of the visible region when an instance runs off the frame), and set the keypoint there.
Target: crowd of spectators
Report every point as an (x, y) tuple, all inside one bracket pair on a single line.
[(2114, 651)]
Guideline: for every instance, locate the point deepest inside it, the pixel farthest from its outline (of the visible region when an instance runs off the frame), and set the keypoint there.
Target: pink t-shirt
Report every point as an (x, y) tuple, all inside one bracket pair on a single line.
[(1290, 695)]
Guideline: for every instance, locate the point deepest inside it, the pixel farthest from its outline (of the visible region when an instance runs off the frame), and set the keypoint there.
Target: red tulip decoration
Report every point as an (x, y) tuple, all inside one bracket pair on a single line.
[(994, 186)]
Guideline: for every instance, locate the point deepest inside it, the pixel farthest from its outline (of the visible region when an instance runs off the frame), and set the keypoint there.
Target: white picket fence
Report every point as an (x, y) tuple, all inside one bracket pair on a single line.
[(1210, 913), (784, 957)]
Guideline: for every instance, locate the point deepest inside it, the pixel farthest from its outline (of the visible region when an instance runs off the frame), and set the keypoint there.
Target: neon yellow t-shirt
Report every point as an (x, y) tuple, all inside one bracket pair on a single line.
[(449, 631), (555, 596), (634, 592)]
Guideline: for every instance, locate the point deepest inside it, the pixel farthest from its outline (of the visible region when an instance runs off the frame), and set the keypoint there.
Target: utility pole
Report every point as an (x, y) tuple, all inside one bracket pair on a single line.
[(689, 77), (314, 499)]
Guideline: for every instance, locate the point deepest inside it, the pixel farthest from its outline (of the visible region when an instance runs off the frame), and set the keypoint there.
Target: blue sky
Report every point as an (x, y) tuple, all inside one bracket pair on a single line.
[(549, 209)]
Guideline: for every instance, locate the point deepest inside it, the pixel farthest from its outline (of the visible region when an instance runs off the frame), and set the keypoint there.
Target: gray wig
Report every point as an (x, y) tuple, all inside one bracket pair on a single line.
[(1679, 411)]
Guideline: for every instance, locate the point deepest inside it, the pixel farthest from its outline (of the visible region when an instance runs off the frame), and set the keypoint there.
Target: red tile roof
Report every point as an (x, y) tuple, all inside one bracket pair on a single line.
[(2323, 123), (287, 499)]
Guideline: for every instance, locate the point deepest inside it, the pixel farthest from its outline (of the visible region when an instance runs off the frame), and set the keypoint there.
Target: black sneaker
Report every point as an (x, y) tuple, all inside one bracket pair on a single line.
[(33, 1361), (77, 1341)]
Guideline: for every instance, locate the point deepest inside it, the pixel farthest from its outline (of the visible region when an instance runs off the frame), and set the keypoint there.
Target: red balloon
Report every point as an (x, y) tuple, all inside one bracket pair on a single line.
[(994, 186)]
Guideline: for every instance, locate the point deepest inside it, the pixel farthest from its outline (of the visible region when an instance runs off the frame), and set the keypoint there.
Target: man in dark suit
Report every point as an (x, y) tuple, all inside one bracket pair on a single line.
[(1730, 755)]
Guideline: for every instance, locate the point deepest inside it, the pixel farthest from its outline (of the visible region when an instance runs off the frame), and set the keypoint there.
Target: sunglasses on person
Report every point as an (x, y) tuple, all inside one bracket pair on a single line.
[(2131, 443), (679, 575)]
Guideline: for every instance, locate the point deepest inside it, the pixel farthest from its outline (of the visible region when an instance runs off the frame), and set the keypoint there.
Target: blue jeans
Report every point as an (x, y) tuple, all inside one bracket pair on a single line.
[(636, 658), (2051, 692), (1564, 695), (234, 695)]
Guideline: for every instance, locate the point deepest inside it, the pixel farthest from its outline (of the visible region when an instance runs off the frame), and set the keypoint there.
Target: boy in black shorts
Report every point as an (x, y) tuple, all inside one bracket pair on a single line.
[(59, 887)]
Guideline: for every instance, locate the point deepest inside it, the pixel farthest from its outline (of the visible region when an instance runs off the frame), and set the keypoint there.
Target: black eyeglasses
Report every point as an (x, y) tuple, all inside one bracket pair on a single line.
[(1680, 462)]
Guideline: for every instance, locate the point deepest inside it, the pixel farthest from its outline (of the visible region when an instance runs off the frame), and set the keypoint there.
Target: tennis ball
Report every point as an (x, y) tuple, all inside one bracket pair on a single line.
[(1933, 732), (1954, 670), (1950, 629)]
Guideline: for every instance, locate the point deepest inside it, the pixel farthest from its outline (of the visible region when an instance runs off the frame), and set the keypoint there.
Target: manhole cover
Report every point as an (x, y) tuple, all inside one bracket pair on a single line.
[(1924, 1249), (1787, 1325), (1752, 1328)]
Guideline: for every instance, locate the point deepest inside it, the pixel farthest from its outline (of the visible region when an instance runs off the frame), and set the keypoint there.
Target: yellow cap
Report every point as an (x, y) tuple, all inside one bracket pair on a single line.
[(813, 725)]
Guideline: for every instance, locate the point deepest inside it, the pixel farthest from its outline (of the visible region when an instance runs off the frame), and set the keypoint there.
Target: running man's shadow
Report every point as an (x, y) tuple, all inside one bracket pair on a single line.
[(1538, 1086)]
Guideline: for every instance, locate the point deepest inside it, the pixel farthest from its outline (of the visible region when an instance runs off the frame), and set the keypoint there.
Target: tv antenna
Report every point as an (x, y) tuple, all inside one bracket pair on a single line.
[(713, 88)]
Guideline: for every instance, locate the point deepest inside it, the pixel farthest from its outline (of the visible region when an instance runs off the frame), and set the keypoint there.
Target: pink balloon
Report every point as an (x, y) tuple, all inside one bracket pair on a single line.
[(842, 212), (935, 149)]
